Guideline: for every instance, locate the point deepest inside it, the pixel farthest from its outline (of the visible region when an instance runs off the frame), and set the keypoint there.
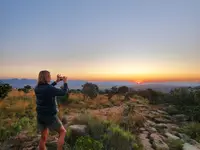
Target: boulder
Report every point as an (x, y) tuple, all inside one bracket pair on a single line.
[(158, 143), (74, 132), (80, 130)]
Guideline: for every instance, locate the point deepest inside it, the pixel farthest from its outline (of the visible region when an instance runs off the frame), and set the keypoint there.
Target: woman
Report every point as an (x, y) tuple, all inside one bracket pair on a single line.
[(47, 109)]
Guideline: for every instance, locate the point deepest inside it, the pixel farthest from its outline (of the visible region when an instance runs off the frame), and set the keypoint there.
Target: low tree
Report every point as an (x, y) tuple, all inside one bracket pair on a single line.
[(122, 90), (117, 90), (90, 90)]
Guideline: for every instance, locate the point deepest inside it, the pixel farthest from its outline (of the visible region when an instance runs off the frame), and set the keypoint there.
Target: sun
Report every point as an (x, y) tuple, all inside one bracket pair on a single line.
[(139, 82)]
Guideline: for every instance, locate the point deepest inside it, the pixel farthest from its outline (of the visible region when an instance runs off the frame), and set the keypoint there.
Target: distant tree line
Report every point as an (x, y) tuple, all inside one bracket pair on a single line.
[(25, 89)]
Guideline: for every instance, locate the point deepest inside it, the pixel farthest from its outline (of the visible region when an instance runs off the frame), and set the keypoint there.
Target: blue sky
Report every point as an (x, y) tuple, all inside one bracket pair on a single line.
[(126, 39)]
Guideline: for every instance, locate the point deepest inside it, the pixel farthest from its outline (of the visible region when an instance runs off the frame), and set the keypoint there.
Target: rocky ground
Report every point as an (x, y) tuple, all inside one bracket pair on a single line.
[(159, 126)]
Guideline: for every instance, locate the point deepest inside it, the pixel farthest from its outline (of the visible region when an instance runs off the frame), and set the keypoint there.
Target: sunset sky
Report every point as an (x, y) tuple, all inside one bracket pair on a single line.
[(134, 40)]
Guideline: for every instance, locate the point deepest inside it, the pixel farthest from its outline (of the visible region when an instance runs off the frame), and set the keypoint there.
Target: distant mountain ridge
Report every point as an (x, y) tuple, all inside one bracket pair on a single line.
[(77, 84)]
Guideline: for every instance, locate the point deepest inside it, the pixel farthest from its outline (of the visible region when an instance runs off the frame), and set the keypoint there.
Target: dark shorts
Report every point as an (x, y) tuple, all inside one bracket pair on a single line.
[(51, 122)]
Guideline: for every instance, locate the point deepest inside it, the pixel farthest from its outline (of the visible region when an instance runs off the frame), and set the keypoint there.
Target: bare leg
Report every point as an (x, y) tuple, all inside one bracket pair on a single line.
[(61, 140), (43, 139)]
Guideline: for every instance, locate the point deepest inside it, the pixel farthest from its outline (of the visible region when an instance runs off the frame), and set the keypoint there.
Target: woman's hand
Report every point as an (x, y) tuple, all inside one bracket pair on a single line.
[(64, 79), (59, 78)]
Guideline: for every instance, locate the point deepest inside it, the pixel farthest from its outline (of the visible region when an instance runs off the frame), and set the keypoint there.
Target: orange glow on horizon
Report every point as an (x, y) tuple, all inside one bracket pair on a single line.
[(138, 78)]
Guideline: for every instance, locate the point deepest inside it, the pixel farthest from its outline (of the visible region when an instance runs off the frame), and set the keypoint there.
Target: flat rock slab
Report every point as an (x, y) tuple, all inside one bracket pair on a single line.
[(188, 146)]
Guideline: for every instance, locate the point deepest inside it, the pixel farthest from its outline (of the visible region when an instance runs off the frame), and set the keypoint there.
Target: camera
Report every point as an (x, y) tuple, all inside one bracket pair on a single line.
[(61, 78)]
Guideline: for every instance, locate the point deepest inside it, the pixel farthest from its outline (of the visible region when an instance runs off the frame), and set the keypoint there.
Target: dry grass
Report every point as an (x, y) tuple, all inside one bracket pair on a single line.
[(18, 101)]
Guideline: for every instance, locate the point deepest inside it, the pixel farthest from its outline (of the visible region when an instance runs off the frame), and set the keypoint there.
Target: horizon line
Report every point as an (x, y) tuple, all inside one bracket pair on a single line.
[(115, 80)]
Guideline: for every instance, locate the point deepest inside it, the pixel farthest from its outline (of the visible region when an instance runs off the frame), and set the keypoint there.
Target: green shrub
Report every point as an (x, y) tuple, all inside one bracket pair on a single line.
[(131, 120), (112, 136), (22, 124), (87, 143), (172, 110), (192, 130), (129, 108), (96, 128), (118, 139), (175, 144)]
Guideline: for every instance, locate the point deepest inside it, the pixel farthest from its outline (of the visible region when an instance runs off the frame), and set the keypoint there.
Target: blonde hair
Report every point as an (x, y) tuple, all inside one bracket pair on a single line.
[(42, 77)]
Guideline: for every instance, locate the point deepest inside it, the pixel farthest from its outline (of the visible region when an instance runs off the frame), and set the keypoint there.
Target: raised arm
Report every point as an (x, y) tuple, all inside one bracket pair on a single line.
[(57, 80), (54, 83), (60, 92)]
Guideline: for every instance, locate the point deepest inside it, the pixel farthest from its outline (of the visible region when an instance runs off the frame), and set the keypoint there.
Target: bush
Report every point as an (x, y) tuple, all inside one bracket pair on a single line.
[(15, 128), (192, 130), (172, 110), (132, 122), (175, 144), (96, 126), (111, 135), (118, 139), (87, 143)]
